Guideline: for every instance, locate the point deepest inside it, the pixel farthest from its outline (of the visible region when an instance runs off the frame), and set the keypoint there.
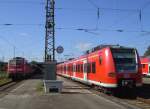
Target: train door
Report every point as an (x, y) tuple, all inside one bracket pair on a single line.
[(63, 69), (85, 70), (74, 70)]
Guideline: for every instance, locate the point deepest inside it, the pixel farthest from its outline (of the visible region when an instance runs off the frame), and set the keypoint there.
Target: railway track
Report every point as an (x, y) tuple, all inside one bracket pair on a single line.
[(5, 83), (6, 88), (138, 100)]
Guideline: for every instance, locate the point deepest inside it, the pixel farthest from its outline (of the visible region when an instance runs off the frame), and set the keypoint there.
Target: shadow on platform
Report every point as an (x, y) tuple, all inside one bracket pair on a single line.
[(75, 87), (37, 76), (142, 92), (67, 92)]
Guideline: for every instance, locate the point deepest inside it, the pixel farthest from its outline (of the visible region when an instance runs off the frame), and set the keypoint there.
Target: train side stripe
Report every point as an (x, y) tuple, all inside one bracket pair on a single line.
[(90, 82)]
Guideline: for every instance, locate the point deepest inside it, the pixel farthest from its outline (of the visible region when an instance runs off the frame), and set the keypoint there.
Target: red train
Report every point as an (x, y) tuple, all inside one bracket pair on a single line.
[(19, 68), (145, 61), (107, 66)]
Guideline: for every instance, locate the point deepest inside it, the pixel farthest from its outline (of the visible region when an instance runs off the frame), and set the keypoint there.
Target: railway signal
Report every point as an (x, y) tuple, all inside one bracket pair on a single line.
[(60, 49)]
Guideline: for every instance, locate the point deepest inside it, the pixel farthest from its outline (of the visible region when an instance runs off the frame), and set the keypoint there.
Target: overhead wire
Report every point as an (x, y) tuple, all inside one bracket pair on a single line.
[(98, 13), (112, 9), (141, 16), (22, 2), (100, 29), (20, 24), (11, 44)]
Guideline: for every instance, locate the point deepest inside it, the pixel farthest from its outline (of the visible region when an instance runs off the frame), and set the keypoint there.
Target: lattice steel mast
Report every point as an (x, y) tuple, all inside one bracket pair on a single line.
[(50, 31)]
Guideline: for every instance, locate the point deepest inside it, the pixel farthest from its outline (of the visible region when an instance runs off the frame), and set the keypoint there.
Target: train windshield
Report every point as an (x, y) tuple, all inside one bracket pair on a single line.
[(125, 60), (15, 62)]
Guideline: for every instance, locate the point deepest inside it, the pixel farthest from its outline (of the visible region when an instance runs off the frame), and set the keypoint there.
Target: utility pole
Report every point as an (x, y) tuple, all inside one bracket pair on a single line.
[(14, 49), (50, 82), (50, 31)]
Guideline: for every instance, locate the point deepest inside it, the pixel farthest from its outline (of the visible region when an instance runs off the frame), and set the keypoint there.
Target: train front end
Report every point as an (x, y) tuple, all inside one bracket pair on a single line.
[(16, 68), (127, 67)]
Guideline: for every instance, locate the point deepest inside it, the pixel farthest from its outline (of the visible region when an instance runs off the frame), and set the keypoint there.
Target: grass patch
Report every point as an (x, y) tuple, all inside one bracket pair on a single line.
[(40, 86), (4, 78), (3, 75)]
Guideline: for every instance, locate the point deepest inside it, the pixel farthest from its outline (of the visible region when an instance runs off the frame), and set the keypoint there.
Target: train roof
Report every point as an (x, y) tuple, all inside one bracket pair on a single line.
[(104, 46), (18, 58), (94, 49), (145, 59)]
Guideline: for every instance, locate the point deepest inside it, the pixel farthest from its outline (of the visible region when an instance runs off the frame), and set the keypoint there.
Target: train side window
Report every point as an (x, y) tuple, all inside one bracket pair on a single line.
[(64, 69), (143, 65), (78, 68), (88, 67), (69, 68), (81, 67), (93, 67), (100, 60), (74, 68)]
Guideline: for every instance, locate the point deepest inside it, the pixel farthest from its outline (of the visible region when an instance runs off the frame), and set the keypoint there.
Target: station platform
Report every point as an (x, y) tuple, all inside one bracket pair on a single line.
[(73, 96)]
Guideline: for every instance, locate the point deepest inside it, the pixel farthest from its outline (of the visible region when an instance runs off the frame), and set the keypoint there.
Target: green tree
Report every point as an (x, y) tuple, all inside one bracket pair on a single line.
[(147, 52)]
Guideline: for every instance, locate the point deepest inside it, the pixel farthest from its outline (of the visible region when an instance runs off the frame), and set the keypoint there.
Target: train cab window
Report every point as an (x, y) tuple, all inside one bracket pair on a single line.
[(100, 60), (93, 67), (88, 67)]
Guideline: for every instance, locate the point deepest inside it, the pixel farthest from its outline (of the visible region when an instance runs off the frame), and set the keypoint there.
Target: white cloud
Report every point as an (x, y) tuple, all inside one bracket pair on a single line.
[(83, 46), (24, 34)]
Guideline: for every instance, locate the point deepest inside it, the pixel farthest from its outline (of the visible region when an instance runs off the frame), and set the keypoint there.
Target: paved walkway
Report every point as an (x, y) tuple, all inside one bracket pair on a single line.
[(73, 96)]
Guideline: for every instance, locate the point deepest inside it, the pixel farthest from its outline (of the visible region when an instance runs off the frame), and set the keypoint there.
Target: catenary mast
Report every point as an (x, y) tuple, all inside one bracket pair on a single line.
[(50, 31)]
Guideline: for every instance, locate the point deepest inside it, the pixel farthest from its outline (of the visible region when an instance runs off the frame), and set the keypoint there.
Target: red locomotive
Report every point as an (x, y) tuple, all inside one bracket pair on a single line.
[(145, 61), (18, 68), (107, 66)]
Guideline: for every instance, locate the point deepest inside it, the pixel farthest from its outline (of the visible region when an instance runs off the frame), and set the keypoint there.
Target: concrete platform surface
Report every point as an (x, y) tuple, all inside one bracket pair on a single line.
[(25, 96)]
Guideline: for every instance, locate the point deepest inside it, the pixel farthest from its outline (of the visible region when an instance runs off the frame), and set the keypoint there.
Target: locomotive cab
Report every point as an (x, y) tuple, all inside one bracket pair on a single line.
[(127, 67)]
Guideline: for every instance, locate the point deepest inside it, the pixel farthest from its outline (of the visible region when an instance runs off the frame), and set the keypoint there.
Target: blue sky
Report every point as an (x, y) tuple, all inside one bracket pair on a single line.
[(74, 14)]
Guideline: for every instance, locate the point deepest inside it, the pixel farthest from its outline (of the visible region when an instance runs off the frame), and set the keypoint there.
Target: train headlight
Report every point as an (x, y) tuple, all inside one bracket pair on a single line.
[(112, 74)]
